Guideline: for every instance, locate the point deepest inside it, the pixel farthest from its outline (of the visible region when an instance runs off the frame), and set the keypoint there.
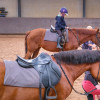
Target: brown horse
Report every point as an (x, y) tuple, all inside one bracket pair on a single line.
[(34, 40), (74, 63)]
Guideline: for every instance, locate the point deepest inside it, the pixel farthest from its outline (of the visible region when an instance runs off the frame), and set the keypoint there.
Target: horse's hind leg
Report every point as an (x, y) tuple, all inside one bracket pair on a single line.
[(35, 53), (28, 55)]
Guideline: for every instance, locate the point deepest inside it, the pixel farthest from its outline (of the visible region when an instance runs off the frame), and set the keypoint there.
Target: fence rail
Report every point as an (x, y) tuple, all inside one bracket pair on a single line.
[(20, 26)]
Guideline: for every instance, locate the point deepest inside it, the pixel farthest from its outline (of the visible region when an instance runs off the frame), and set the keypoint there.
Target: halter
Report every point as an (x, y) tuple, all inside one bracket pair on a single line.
[(86, 93)]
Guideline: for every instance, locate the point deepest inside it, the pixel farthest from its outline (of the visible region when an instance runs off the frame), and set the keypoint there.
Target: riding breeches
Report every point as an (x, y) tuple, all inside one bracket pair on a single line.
[(59, 32)]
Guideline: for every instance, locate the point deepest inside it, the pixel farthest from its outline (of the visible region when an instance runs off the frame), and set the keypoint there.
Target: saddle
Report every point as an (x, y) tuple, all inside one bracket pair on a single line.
[(48, 70), (64, 38), (52, 29)]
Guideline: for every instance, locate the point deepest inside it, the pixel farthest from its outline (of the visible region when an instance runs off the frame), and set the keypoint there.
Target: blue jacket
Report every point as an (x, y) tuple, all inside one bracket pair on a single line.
[(60, 23), (86, 46), (90, 78)]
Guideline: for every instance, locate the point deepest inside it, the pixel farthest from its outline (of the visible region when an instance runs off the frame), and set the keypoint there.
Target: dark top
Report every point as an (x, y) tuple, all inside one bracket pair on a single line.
[(89, 77), (60, 23), (86, 46)]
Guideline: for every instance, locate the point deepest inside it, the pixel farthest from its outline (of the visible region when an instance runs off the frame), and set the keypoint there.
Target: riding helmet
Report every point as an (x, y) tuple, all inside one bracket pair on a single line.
[(64, 10)]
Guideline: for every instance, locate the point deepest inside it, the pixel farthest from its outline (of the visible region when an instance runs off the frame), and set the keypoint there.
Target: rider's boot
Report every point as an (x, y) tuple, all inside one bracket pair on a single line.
[(67, 40), (58, 43)]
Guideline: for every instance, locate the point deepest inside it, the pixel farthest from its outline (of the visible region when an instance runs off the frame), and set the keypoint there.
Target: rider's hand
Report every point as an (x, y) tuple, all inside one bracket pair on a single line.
[(66, 27)]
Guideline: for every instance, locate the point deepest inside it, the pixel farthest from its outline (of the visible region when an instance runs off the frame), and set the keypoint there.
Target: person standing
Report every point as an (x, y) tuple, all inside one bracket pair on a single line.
[(87, 45)]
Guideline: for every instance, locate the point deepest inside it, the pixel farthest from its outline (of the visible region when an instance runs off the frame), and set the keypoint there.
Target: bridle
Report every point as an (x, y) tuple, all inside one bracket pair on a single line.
[(76, 36), (98, 39), (86, 93)]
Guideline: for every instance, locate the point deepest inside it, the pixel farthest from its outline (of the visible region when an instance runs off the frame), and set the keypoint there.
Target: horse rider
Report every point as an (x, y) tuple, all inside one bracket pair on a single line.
[(60, 24)]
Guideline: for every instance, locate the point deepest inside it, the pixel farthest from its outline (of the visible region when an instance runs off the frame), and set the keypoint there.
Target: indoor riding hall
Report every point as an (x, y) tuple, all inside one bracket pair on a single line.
[(19, 16)]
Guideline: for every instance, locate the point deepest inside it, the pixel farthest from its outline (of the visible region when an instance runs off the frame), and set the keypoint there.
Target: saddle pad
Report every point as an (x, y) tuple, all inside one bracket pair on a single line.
[(18, 76), (49, 36)]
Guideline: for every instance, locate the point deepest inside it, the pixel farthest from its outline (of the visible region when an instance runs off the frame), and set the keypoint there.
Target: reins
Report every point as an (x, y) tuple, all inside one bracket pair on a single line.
[(86, 93), (76, 36)]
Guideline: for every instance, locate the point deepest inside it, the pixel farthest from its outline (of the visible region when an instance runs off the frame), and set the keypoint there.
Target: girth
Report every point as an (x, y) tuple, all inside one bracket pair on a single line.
[(48, 70)]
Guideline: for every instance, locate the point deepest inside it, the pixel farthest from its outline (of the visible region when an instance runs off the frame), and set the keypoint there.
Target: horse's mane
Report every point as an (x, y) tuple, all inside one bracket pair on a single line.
[(85, 31), (78, 56)]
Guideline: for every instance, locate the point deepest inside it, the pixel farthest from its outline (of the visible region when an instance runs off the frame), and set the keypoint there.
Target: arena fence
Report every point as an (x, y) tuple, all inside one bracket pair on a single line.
[(19, 26)]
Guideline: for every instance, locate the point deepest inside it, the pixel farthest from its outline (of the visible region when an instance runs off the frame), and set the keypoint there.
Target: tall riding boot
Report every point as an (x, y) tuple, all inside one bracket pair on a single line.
[(58, 43), (67, 40)]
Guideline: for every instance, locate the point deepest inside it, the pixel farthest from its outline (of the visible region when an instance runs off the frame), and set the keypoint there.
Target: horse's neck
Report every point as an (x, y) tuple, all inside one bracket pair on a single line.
[(94, 69), (76, 70), (86, 36)]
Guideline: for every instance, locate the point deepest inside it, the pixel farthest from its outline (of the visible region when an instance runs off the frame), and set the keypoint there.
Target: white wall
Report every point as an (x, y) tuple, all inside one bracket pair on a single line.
[(92, 8), (50, 8)]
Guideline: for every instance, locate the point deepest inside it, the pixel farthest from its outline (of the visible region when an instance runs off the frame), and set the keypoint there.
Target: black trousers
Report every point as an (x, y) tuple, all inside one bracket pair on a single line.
[(90, 97), (59, 32)]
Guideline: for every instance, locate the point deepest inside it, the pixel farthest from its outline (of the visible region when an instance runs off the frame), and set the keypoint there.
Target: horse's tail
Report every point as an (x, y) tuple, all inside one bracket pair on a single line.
[(26, 41)]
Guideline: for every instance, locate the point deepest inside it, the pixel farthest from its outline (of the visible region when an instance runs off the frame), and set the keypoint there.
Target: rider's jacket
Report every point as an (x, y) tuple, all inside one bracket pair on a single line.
[(86, 46), (60, 23), (90, 78)]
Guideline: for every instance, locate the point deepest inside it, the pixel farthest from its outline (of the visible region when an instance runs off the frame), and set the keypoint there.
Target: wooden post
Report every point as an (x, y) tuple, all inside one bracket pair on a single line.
[(84, 8), (19, 8)]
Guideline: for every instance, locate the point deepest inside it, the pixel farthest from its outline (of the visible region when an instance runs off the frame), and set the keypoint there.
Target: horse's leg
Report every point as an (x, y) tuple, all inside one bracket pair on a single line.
[(28, 55), (35, 53), (32, 47)]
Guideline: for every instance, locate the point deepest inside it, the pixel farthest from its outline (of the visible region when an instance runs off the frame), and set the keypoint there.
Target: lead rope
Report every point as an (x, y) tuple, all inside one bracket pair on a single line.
[(86, 93)]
